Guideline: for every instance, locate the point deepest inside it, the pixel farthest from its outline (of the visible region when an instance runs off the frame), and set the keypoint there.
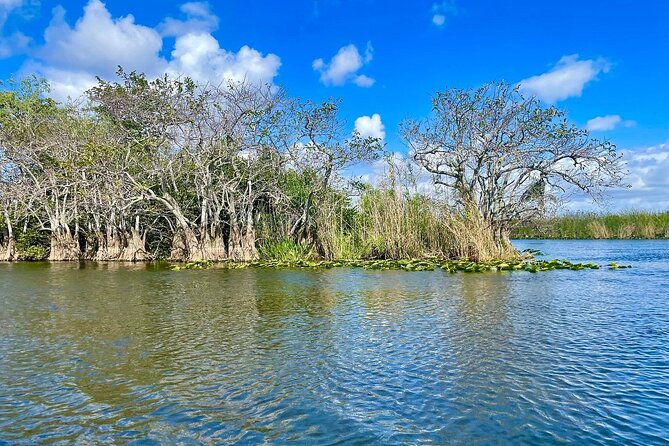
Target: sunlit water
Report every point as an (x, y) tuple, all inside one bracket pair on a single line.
[(133, 353)]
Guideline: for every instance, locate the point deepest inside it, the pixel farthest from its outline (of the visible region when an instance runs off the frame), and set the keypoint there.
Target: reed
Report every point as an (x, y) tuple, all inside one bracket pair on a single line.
[(395, 222), (626, 225)]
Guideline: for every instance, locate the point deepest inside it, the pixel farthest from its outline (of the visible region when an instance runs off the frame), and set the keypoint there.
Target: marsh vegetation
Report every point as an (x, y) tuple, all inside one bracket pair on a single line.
[(145, 169), (625, 225)]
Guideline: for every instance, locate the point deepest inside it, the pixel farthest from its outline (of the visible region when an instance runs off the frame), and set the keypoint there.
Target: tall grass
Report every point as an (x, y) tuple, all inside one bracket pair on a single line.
[(284, 250), (389, 220), (472, 238), (627, 225), (393, 222)]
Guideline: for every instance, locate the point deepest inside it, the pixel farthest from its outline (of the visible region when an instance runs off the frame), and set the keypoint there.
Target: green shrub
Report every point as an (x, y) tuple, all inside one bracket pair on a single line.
[(32, 246), (33, 253)]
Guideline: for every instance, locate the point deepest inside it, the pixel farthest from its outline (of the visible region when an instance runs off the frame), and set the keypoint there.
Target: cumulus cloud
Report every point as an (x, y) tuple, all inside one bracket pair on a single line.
[(344, 67), (363, 81), (647, 179), (13, 44), (198, 19), (98, 43), (370, 126), (16, 42), (608, 122), (440, 11), (200, 57), (566, 79)]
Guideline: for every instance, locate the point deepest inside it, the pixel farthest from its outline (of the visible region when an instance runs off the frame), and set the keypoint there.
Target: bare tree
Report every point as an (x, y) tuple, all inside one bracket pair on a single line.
[(44, 142), (202, 156), (319, 148), (506, 156), (9, 198)]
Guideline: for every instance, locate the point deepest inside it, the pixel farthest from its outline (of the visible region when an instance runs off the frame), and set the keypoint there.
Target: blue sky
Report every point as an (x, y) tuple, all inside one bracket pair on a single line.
[(606, 63)]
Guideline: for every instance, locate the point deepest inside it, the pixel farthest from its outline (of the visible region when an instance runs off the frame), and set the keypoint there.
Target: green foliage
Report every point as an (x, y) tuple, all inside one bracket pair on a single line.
[(197, 264), (629, 225), (445, 265), (33, 253), (32, 246), (200, 171), (286, 251)]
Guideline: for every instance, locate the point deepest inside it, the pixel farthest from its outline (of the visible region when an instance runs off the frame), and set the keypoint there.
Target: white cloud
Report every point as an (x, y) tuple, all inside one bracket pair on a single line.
[(440, 11), (98, 43), (63, 83), (608, 122), (363, 81), (567, 79), (16, 42), (344, 66), (648, 168), (201, 57), (13, 44), (370, 126), (648, 181), (199, 19)]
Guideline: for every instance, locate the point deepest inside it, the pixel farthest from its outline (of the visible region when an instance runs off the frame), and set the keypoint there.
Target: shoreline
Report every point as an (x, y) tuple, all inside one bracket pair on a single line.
[(527, 264)]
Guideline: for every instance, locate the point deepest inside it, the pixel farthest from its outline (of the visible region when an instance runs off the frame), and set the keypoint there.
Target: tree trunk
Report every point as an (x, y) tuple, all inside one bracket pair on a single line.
[(213, 248), (242, 241), (8, 250), (92, 245), (235, 251), (111, 246), (64, 246), (248, 245), (185, 246), (242, 245), (135, 248)]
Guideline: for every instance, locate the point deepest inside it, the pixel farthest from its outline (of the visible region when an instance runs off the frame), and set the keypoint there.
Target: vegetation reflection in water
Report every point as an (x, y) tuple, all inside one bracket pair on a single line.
[(96, 353)]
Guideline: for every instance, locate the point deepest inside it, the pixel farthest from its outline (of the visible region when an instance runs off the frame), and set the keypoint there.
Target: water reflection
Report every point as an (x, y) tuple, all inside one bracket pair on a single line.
[(111, 353)]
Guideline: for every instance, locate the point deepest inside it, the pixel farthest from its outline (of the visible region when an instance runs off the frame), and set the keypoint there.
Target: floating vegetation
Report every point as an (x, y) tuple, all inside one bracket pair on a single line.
[(614, 265), (533, 252), (197, 264), (450, 266)]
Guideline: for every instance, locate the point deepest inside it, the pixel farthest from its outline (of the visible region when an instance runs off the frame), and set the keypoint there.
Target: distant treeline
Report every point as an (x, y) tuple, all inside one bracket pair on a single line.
[(627, 225)]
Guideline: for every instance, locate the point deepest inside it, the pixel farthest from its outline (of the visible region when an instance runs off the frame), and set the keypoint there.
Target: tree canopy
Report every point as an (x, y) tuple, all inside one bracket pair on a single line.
[(169, 168), (506, 156)]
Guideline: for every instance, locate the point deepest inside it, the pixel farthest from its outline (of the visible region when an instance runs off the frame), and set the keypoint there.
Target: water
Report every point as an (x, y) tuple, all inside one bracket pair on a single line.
[(138, 354)]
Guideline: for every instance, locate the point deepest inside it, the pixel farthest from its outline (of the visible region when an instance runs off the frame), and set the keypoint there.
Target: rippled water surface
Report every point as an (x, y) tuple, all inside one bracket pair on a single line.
[(120, 354)]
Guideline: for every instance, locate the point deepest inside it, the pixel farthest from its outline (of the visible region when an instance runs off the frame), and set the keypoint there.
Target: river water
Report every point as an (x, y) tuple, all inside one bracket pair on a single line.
[(143, 355)]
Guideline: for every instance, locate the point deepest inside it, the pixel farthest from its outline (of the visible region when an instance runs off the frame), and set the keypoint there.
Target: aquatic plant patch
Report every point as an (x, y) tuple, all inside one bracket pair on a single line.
[(450, 266)]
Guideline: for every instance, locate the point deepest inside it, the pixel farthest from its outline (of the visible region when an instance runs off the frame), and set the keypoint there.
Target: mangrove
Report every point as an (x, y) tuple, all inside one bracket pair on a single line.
[(146, 169)]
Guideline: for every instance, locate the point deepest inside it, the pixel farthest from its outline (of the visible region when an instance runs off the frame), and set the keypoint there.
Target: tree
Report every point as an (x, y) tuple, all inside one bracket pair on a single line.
[(505, 156), (318, 148), (203, 156), (9, 180), (44, 142)]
